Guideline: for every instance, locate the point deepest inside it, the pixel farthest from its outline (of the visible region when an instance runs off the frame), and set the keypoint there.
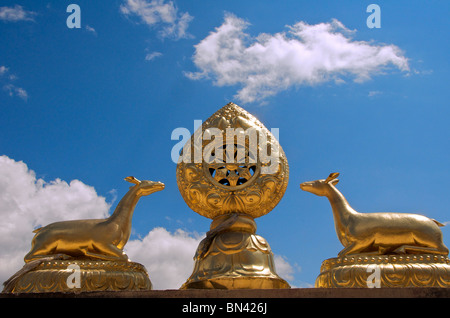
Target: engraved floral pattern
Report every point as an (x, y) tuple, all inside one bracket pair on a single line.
[(51, 276), (421, 270), (214, 188)]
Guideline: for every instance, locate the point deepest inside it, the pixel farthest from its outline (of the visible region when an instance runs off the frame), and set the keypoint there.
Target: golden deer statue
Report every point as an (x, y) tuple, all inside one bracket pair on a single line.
[(378, 233), (101, 239)]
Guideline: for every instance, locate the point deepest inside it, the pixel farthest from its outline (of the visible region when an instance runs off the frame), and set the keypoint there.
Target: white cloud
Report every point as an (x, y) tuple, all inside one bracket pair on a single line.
[(159, 13), (168, 257), (15, 14), (305, 55), (283, 268), (11, 89), (153, 55), (27, 202), (3, 70), (374, 93), (91, 29)]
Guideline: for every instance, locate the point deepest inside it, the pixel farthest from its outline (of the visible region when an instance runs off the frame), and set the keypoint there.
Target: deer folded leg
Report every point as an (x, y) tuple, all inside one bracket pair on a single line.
[(39, 251), (406, 249), (107, 252), (382, 250), (443, 249), (356, 247), (104, 257), (347, 250), (33, 257)]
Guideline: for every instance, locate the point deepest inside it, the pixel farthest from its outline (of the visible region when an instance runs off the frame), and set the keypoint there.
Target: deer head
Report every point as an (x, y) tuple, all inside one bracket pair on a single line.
[(320, 187), (145, 187)]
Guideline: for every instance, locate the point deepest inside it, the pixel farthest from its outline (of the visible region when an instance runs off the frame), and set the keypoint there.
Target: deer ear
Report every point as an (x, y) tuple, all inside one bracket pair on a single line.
[(334, 181), (132, 179), (332, 176)]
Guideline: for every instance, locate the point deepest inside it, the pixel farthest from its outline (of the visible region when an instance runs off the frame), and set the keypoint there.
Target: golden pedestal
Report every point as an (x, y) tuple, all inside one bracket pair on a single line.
[(235, 258), (61, 276), (394, 270)]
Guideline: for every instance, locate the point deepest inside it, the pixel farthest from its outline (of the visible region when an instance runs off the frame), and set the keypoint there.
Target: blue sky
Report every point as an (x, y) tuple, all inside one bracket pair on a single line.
[(99, 103)]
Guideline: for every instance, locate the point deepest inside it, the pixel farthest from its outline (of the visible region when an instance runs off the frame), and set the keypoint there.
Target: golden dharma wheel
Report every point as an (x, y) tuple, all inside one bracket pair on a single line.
[(232, 164)]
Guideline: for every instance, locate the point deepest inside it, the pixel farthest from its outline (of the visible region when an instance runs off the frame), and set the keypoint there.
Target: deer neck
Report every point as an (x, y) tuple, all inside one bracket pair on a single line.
[(123, 213), (342, 211)]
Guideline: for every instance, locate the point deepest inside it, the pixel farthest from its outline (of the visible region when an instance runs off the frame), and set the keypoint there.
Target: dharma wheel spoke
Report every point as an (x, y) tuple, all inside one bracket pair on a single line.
[(220, 174), (244, 173), (233, 178)]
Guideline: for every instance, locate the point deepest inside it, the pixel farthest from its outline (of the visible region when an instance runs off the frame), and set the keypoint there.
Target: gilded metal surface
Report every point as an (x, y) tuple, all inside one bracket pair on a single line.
[(101, 239), (236, 179), (378, 233), (52, 276), (415, 270), (396, 249), (235, 258), (94, 245), (240, 181)]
